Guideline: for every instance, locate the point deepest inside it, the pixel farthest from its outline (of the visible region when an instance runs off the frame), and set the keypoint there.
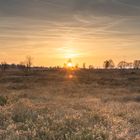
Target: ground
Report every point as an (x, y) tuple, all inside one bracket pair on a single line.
[(62, 105)]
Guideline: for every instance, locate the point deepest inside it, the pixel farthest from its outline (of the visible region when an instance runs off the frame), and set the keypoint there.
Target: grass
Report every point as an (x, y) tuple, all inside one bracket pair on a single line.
[(3, 100), (92, 105)]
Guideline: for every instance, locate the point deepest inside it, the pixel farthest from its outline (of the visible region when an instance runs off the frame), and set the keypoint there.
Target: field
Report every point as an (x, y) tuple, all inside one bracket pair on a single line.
[(62, 105)]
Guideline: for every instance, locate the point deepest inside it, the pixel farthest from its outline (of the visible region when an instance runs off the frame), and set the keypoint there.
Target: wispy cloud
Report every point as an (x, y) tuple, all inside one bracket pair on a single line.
[(49, 24)]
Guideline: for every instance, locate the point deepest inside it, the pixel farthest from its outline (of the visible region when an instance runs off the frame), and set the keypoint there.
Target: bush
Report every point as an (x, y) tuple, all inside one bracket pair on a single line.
[(3, 100), (23, 113)]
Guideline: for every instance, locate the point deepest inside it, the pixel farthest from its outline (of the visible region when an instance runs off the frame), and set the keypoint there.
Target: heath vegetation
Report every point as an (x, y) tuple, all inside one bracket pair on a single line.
[(77, 105)]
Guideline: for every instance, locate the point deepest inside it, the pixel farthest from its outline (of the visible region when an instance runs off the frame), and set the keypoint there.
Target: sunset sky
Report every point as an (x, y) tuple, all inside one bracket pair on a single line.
[(51, 31)]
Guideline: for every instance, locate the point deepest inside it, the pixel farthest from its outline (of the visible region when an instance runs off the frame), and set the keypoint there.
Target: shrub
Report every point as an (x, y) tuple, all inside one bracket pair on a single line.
[(2, 119), (3, 100), (22, 113)]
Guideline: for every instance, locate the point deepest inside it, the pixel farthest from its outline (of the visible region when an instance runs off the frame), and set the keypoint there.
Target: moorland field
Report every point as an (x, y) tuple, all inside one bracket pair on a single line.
[(77, 105)]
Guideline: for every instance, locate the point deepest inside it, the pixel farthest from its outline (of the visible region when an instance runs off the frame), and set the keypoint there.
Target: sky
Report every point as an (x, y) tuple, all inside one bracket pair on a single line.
[(52, 31)]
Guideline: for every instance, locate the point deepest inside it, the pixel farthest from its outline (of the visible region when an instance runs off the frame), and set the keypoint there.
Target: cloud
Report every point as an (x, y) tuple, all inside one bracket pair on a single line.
[(129, 3), (63, 8), (109, 7), (42, 23)]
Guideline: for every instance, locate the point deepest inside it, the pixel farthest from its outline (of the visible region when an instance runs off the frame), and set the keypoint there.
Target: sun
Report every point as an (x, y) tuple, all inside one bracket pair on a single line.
[(69, 64)]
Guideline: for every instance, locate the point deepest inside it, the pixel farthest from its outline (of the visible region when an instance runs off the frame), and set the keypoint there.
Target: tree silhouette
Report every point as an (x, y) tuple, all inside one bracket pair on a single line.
[(123, 65), (4, 66), (84, 65), (28, 62), (136, 64), (90, 67), (130, 65), (77, 66), (22, 66), (108, 64)]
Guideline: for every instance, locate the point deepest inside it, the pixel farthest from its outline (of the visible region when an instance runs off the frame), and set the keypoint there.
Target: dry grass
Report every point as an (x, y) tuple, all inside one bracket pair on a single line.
[(93, 105)]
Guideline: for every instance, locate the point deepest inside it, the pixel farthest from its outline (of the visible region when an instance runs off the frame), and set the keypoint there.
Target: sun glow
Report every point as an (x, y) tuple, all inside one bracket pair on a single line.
[(69, 49), (70, 53), (70, 76), (69, 65)]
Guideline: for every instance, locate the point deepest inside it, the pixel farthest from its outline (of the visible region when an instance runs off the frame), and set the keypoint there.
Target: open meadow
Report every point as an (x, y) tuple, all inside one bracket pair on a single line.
[(62, 105)]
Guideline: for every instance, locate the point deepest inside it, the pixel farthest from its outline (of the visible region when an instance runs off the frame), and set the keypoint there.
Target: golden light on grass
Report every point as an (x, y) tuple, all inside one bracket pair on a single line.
[(70, 76)]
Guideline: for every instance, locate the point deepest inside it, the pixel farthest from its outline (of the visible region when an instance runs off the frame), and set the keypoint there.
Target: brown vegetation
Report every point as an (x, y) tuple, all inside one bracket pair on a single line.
[(49, 105)]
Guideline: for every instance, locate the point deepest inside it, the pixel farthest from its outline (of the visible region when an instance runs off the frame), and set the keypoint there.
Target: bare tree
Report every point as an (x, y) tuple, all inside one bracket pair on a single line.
[(77, 66), (136, 64), (130, 65), (22, 66), (90, 67), (84, 65), (28, 62), (4, 66), (109, 64), (123, 65)]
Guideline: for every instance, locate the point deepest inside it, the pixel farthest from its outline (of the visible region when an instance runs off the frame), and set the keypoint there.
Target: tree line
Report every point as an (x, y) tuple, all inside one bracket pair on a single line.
[(25, 65), (107, 64)]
